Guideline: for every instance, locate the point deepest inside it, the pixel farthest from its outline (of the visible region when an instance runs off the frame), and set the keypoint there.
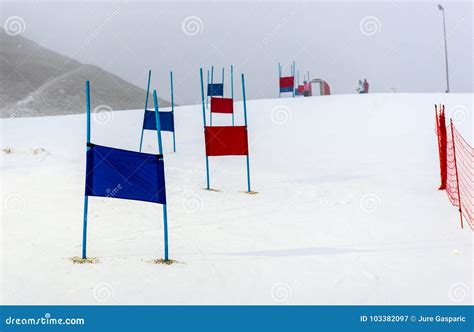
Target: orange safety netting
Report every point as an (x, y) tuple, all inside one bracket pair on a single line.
[(457, 167)]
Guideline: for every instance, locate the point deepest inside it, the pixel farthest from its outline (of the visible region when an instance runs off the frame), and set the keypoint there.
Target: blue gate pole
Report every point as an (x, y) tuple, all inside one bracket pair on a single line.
[(212, 92), (146, 106), (222, 82), (279, 76), (160, 151), (207, 86), (293, 74), (172, 111), (204, 121), (298, 81), (245, 121), (310, 87), (232, 89), (86, 198)]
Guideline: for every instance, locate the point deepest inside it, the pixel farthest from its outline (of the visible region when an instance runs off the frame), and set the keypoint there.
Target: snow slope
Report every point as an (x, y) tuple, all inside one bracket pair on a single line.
[(347, 210)]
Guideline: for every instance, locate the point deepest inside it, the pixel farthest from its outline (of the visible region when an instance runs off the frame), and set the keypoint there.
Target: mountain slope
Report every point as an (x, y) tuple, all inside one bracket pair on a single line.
[(35, 81)]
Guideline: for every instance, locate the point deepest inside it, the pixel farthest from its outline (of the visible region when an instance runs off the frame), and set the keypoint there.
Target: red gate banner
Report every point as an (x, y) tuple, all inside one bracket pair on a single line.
[(222, 105), (226, 140), (287, 82)]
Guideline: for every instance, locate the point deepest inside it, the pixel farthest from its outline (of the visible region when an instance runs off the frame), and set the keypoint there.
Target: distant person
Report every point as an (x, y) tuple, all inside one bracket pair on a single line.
[(366, 86), (360, 89), (306, 89)]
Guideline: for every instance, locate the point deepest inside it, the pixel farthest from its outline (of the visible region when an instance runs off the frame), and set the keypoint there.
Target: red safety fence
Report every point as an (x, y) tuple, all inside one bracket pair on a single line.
[(456, 158)]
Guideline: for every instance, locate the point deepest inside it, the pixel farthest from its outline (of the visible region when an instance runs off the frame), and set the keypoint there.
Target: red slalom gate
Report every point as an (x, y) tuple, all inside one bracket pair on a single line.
[(457, 167)]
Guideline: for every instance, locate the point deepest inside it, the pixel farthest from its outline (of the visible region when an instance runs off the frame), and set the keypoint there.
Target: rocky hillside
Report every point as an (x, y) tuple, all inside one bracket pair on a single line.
[(35, 81)]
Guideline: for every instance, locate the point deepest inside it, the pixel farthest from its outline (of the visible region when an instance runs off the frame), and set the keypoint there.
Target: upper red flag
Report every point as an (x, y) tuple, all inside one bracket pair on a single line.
[(226, 141), (287, 82), (222, 105)]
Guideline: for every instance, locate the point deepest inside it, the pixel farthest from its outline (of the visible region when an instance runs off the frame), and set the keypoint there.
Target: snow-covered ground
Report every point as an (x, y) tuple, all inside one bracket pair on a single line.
[(347, 210)]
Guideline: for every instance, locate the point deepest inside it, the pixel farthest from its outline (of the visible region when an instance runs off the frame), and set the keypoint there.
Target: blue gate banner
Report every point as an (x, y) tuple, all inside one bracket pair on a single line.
[(288, 89), (215, 89), (166, 121), (117, 173)]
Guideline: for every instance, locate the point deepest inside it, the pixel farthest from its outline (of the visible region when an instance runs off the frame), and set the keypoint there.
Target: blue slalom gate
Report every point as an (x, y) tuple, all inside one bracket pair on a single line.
[(123, 174)]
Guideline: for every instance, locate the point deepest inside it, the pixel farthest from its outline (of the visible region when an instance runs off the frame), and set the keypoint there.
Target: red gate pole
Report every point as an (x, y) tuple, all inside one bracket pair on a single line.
[(439, 143), (436, 120), (456, 169), (442, 146)]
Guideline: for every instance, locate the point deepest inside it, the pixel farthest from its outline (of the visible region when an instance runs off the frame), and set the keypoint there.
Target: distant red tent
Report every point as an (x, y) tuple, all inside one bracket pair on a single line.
[(324, 88)]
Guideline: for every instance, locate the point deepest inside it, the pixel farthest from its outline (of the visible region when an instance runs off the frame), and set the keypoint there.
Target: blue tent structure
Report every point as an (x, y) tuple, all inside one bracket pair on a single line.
[(117, 173)]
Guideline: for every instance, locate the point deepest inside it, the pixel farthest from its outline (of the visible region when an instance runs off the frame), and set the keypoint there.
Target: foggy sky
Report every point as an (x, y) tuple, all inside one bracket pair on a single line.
[(397, 46)]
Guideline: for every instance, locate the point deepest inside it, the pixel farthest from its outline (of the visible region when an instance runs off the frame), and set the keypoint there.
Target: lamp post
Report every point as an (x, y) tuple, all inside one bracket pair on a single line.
[(441, 8)]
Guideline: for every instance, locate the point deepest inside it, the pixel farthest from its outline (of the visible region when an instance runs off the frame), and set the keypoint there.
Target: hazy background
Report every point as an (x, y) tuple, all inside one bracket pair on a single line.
[(397, 46)]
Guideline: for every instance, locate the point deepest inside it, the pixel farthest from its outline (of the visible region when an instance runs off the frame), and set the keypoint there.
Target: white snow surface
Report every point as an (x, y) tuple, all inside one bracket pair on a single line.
[(347, 210)]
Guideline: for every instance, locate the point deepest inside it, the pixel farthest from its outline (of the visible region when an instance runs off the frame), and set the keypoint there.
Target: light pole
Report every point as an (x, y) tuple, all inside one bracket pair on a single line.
[(445, 48)]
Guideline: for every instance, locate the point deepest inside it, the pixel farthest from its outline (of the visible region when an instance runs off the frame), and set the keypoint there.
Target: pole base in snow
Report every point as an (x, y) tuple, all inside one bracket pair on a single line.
[(210, 189), (162, 261), (80, 260), (251, 192)]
